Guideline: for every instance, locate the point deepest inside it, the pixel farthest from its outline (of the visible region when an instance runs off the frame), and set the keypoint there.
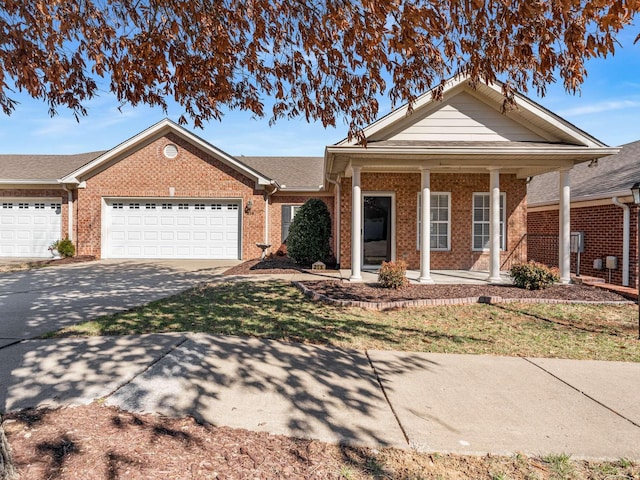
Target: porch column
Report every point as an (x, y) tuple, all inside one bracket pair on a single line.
[(564, 260), (425, 227), (494, 226), (356, 227)]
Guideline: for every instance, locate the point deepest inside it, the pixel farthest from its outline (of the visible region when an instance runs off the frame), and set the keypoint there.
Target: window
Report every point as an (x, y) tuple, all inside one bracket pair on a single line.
[(118, 206), (288, 212), (183, 206), (7, 205), (440, 220), (150, 206), (199, 206), (167, 206), (481, 221)]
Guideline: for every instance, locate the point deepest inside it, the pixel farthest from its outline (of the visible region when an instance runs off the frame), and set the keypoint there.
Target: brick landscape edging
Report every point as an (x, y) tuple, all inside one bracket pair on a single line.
[(426, 302)]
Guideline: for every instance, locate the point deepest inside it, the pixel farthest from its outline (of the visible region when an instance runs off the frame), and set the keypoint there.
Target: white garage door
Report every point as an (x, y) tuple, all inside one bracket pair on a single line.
[(28, 226), (173, 229)]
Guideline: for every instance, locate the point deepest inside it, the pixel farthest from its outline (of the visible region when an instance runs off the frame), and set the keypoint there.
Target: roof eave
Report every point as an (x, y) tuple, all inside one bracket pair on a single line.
[(22, 181)]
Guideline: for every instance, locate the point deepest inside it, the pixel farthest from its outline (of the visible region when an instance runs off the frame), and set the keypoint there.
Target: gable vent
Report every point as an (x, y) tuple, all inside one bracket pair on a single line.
[(170, 151)]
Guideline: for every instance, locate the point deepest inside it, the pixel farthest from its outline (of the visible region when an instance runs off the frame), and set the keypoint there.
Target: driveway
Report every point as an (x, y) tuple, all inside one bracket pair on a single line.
[(38, 301)]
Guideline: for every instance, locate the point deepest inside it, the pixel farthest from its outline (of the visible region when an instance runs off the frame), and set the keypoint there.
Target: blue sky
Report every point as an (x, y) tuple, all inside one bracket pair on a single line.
[(608, 107)]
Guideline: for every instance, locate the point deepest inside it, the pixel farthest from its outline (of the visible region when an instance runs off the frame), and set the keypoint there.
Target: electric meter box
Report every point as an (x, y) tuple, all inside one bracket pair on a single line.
[(612, 263)]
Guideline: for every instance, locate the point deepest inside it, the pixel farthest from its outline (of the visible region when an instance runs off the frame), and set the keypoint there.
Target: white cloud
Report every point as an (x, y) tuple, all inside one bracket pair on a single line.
[(599, 107)]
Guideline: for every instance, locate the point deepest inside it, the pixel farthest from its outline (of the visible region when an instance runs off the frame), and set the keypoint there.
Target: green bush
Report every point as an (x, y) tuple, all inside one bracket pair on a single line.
[(309, 233), (393, 274), (64, 247), (533, 275)]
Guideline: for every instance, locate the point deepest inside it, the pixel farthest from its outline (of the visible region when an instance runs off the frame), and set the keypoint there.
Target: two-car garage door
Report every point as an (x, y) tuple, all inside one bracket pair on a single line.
[(168, 228)]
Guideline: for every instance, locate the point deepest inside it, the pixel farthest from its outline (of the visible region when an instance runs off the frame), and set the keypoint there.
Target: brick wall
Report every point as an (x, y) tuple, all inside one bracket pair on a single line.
[(43, 193), (603, 229), (461, 186), (148, 173)]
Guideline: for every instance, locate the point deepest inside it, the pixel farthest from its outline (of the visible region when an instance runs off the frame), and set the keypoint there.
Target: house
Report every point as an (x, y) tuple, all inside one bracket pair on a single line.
[(440, 185), (602, 209)]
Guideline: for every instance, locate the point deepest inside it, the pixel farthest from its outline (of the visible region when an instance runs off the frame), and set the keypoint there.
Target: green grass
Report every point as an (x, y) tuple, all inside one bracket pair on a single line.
[(278, 310)]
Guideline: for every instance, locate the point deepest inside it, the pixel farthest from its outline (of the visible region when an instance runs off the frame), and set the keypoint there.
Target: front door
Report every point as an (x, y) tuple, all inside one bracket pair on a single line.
[(376, 241)]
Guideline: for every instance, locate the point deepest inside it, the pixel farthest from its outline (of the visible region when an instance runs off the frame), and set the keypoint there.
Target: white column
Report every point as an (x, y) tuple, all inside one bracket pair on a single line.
[(425, 227), (356, 227), (494, 226), (564, 254)]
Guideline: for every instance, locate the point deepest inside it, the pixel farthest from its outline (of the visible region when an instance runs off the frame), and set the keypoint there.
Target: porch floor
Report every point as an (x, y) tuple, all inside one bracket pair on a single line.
[(440, 277)]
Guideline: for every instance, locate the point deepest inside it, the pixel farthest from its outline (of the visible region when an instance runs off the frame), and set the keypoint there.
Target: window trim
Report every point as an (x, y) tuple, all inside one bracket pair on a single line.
[(503, 222), (419, 222), (293, 208)]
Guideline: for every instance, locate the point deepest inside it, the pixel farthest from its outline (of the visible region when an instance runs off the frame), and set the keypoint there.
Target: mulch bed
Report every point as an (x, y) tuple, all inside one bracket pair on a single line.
[(371, 292), (272, 265), (98, 442)]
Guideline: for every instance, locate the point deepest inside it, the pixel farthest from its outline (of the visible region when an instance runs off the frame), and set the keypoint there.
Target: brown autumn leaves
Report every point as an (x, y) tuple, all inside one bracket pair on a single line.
[(323, 60)]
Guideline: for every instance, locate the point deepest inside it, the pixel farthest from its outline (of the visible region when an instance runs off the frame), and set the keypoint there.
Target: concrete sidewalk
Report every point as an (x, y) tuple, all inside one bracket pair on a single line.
[(430, 402)]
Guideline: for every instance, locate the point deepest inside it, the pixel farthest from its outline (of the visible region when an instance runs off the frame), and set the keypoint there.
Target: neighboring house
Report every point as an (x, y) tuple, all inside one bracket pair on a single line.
[(602, 209), (441, 185)]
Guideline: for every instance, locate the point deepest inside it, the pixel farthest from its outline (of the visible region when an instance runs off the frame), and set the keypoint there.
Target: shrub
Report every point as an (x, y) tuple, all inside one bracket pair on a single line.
[(64, 247), (533, 275), (309, 233), (392, 274)]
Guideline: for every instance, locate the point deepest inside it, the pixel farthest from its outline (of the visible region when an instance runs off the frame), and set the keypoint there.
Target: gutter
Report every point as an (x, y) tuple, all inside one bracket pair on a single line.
[(336, 209), (266, 196), (625, 239)]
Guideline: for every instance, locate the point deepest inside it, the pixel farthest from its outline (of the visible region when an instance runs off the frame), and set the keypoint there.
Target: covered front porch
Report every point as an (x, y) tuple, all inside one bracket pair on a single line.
[(441, 184)]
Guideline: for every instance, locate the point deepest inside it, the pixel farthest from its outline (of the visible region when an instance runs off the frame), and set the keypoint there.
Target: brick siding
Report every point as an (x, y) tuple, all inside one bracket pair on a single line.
[(148, 173), (461, 186), (603, 232)]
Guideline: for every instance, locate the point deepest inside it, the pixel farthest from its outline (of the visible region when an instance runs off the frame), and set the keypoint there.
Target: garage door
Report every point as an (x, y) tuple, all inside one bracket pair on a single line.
[(28, 226), (173, 229)]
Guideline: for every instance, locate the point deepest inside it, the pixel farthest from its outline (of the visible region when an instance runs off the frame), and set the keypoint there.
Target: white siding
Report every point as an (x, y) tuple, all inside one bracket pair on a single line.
[(464, 118)]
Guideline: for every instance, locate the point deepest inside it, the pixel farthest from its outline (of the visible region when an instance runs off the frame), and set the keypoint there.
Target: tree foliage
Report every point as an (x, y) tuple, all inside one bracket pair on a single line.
[(310, 232), (319, 59)]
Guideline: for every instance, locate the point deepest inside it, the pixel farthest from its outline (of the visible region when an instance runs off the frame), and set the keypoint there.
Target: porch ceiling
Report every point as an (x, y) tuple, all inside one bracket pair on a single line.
[(524, 159)]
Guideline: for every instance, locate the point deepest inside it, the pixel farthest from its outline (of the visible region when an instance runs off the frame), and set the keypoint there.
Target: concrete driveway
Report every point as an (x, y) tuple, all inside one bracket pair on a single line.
[(38, 301)]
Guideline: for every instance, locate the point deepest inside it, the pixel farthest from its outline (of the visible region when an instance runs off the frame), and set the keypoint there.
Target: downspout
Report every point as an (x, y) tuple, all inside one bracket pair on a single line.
[(625, 240), (337, 217), (266, 196), (69, 212)]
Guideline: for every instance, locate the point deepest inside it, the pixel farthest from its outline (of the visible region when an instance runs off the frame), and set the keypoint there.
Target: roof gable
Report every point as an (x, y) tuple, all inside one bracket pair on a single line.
[(474, 114), (462, 117), (156, 131)]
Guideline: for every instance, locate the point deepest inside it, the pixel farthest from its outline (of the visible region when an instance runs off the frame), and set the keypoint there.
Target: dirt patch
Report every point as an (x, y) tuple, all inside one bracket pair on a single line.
[(98, 442), (371, 292), (18, 267)]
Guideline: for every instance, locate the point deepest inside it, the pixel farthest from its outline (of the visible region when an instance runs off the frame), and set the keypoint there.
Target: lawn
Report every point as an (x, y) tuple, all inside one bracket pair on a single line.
[(277, 310)]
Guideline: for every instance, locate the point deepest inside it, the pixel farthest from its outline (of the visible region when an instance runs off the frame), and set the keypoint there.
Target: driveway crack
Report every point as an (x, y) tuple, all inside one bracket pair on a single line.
[(582, 392)]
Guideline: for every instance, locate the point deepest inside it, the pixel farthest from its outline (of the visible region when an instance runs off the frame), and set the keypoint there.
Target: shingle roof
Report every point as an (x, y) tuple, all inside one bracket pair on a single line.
[(42, 167), (289, 172), (613, 174)]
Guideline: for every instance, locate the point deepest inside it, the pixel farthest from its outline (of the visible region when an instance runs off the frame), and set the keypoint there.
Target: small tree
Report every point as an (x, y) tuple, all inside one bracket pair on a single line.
[(309, 233)]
